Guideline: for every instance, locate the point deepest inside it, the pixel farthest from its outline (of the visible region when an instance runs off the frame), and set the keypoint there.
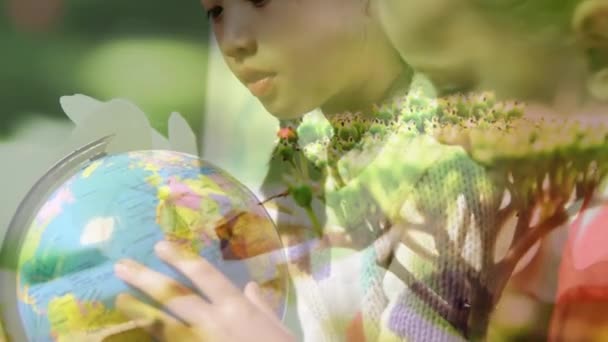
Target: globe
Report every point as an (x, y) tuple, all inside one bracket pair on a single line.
[(119, 206)]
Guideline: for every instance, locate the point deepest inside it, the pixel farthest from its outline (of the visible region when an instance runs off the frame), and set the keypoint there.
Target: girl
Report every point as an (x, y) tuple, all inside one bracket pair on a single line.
[(294, 56)]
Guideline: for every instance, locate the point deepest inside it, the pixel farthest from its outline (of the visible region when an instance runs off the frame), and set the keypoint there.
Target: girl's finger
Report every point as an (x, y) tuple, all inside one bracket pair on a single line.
[(157, 323), (203, 275), (178, 299), (109, 333), (254, 293)]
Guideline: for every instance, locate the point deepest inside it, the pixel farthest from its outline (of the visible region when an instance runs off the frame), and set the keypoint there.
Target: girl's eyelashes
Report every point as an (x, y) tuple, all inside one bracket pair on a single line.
[(259, 3), (215, 12)]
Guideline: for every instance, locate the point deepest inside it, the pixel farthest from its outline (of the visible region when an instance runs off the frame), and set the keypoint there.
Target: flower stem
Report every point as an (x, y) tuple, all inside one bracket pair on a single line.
[(315, 222)]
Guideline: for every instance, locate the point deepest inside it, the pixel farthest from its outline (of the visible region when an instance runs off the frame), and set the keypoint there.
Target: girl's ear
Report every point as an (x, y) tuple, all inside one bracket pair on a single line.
[(590, 24)]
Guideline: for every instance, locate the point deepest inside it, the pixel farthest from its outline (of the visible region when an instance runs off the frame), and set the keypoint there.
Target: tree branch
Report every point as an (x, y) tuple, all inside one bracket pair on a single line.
[(523, 225), (428, 296), (282, 194), (416, 247), (532, 235), (504, 214)]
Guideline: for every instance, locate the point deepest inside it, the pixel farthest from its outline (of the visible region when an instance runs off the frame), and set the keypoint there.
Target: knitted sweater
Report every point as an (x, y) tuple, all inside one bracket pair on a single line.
[(345, 291), (413, 218), (349, 292)]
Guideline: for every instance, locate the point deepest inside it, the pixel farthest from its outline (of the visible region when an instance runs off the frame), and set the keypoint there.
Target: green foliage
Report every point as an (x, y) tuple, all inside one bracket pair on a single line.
[(519, 151), (41, 66)]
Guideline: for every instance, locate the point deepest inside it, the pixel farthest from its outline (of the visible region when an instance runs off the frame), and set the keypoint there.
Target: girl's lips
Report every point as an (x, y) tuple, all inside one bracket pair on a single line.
[(261, 87)]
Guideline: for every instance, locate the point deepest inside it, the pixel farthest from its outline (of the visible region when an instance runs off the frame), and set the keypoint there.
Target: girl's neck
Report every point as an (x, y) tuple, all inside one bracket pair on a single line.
[(379, 88)]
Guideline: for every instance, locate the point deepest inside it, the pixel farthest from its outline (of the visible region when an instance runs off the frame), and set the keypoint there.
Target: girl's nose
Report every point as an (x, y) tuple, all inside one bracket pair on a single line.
[(238, 40)]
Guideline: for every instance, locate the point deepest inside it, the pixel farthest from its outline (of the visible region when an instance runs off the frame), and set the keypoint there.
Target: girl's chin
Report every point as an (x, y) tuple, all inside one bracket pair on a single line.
[(284, 110), (287, 116)]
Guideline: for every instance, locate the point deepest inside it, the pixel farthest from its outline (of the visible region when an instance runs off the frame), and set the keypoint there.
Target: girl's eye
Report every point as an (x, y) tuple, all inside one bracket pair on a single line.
[(215, 12), (259, 3)]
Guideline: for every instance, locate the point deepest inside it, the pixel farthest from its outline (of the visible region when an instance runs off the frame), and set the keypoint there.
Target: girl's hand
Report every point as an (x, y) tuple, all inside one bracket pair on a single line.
[(229, 315)]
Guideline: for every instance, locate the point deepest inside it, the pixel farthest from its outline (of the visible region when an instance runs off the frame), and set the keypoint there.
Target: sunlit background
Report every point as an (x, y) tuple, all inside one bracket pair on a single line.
[(151, 53)]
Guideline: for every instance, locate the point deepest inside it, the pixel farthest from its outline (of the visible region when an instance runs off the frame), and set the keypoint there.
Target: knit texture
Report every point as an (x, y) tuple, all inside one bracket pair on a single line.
[(412, 202)]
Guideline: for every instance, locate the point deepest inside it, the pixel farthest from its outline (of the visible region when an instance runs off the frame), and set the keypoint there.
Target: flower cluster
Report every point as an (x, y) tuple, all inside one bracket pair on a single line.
[(447, 119), (287, 144), (517, 148)]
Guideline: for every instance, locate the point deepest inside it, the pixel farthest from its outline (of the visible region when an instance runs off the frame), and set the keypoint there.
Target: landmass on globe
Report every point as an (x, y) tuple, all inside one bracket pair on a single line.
[(120, 206)]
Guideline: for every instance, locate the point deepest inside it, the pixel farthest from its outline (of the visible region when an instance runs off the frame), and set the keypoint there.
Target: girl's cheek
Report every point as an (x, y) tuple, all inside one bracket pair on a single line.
[(217, 31)]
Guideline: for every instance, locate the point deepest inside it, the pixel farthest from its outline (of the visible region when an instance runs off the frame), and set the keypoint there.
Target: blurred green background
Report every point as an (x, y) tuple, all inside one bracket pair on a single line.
[(153, 53)]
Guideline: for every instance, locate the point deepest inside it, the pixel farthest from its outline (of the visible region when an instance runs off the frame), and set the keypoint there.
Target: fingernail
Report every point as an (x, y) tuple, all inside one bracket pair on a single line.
[(255, 287), (121, 269), (163, 248)]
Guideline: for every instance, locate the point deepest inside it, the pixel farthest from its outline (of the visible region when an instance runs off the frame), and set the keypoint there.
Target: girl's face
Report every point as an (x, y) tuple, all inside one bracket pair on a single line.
[(299, 55)]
